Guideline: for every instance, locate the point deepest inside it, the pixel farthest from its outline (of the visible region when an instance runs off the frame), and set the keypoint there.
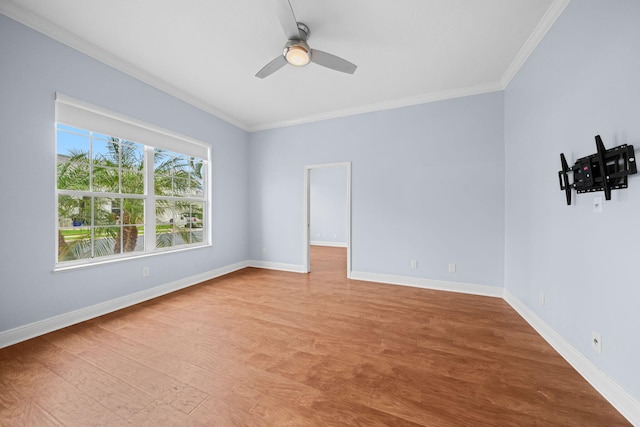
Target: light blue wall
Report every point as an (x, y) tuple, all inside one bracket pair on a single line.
[(328, 205), (32, 68), (428, 185), (583, 80)]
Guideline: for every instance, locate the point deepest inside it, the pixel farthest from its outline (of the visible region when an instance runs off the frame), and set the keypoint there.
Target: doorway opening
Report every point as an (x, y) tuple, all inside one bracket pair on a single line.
[(327, 209)]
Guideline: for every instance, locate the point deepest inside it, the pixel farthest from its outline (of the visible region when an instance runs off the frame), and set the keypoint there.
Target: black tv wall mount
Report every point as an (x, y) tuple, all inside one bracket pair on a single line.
[(605, 170)]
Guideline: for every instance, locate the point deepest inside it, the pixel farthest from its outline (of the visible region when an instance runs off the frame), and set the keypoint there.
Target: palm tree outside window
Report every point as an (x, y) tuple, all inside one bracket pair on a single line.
[(104, 197)]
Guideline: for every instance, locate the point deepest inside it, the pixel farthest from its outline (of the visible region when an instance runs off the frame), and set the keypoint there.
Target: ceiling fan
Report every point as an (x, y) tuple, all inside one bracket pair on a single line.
[(296, 51)]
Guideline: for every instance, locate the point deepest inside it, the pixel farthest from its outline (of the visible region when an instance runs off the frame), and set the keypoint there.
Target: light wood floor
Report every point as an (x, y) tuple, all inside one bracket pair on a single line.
[(267, 348)]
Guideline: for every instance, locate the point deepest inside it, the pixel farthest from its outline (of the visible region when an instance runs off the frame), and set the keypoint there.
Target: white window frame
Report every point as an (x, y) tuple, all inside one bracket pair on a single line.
[(73, 112)]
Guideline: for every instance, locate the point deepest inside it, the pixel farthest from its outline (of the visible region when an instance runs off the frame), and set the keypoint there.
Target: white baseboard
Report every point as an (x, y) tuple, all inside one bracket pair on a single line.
[(626, 404), (41, 327), (331, 244), (294, 268), (440, 285)]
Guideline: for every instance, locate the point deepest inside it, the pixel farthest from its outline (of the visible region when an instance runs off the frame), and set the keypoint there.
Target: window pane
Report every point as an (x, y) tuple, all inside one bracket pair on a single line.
[(195, 185), (74, 236), (161, 161), (180, 163), (197, 213), (106, 241), (180, 217), (74, 211), (197, 236), (106, 211), (133, 211), (66, 206), (139, 246), (106, 152), (183, 213), (73, 176), (196, 166), (180, 186), (165, 235), (132, 182), (166, 220), (163, 185), (196, 188), (164, 212), (132, 239), (72, 145), (182, 237), (74, 243), (178, 175), (106, 179), (72, 158), (132, 155)]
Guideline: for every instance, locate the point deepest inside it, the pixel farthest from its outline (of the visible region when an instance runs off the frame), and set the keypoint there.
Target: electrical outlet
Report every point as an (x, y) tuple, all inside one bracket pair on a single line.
[(596, 341), (452, 268), (145, 271), (597, 204), (541, 298), (414, 264)]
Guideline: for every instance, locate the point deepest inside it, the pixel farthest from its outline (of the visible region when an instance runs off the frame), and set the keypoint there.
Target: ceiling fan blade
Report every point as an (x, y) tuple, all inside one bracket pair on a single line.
[(287, 19), (331, 61), (273, 66)]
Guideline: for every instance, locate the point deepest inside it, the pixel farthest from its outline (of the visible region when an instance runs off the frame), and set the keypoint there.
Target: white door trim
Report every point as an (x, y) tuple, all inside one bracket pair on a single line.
[(307, 212)]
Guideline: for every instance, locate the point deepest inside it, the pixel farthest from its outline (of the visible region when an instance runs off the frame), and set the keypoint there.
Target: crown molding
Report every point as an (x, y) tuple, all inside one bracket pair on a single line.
[(387, 105), (541, 30), (67, 38), (14, 11)]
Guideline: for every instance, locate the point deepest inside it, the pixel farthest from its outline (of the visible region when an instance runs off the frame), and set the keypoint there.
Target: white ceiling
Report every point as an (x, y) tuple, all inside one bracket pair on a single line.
[(207, 52)]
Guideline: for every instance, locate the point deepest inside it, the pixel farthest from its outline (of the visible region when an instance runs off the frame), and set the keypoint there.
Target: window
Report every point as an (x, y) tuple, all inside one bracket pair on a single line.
[(125, 188)]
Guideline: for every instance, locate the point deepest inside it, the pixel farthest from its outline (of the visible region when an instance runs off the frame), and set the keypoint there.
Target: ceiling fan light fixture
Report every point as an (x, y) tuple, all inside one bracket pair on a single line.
[(296, 51), (297, 55)]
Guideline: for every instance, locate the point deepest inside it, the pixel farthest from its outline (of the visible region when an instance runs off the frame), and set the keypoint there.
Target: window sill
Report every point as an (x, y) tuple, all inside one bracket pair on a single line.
[(72, 266)]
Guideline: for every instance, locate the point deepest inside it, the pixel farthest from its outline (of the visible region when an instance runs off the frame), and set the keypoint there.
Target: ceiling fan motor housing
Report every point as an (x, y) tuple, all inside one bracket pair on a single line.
[(304, 31)]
